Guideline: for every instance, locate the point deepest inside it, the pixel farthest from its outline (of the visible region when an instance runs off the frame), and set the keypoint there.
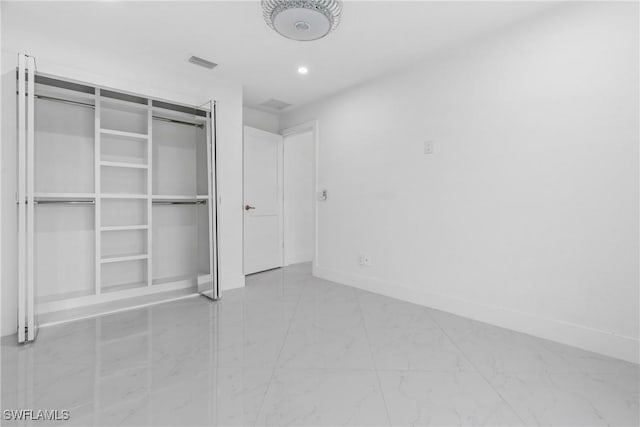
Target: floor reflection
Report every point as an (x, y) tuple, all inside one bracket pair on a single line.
[(156, 365)]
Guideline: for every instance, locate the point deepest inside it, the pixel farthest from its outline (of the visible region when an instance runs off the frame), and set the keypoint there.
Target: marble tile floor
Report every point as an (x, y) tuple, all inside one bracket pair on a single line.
[(291, 349)]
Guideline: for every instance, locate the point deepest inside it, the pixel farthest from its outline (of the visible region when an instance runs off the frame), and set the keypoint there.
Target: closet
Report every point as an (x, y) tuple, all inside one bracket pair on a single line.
[(116, 196)]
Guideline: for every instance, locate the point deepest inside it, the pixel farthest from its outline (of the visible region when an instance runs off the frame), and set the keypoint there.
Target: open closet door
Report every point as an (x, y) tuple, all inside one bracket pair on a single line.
[(208, 284), (27, 328)]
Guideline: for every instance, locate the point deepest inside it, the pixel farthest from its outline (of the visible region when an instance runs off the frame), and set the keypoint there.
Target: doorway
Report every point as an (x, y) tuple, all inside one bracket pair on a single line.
[(298, 152)]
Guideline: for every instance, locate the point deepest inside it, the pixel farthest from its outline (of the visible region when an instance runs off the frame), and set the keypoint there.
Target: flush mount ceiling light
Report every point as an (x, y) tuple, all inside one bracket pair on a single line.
[(303, 70), (302, 20)]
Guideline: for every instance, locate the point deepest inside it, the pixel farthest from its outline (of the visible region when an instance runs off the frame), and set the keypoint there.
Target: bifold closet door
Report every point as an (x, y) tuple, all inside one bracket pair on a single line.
[(27, 327), (206, 216)]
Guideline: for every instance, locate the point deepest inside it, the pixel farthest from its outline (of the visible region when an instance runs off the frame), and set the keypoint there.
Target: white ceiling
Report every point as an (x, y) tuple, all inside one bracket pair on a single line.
[(374, 38)]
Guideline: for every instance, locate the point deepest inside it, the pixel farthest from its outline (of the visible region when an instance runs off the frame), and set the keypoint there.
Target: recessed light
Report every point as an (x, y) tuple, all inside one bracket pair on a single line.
[(303, 70)]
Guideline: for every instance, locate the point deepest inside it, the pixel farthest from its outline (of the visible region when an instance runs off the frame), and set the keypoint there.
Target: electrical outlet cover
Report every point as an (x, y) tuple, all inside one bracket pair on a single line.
[(428, 147)]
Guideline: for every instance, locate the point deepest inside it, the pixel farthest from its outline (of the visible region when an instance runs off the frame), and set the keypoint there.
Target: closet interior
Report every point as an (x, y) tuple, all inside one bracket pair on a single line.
[(119, 196)]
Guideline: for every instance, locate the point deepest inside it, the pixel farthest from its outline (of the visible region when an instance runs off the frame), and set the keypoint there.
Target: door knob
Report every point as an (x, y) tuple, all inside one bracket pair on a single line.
[(247, 207)]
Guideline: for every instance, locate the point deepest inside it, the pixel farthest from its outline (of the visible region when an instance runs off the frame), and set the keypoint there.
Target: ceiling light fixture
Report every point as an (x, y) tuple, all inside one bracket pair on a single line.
[(302, 20), (303, 70)]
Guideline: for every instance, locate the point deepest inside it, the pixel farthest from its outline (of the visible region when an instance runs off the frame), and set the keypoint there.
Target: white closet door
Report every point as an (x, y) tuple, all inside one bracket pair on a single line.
[(31, 295), (26, 131), (22, 194), (208, 283), (263, 200)]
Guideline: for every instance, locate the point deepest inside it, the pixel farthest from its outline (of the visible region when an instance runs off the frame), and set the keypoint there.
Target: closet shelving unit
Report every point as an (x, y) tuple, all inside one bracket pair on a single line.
[(123, 140), (123, 191)]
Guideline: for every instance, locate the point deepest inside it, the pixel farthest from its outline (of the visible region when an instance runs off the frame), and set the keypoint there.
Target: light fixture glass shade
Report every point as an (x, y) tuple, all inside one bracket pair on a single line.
[(302, 20)]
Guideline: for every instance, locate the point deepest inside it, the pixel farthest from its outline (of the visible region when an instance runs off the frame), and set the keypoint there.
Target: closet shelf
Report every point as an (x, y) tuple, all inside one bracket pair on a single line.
[(123, 258), (123, 133), (65, 196), (124, 165), (172, 197), (122, 105), (123, 196), (124, 227), (179, 200)]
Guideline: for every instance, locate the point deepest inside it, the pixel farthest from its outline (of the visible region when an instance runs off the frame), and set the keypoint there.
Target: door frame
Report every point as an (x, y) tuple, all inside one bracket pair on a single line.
[(312, 126)]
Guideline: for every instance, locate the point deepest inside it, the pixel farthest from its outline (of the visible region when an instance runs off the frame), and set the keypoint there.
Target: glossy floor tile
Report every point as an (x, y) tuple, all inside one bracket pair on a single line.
[(291, 349)]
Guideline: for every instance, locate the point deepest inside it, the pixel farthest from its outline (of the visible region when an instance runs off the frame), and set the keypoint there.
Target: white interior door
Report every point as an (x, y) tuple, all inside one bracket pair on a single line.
[(263, 247)]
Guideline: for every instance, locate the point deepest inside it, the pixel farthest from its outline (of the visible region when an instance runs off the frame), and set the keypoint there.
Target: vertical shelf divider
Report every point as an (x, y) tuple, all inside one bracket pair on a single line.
[(149, 192), (98, 199)]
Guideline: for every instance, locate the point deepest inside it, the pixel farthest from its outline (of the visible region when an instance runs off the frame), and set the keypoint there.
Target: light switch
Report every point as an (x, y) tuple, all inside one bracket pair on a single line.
[(428, 147), (365, 260)]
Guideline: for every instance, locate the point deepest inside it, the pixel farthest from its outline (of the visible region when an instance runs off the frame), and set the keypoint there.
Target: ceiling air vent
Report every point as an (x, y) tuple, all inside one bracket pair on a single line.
[(203, 62), (275, 104)]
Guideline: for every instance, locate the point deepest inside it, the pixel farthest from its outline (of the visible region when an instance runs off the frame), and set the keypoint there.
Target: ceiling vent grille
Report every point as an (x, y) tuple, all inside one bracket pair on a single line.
[(275, 104), (203, 62)]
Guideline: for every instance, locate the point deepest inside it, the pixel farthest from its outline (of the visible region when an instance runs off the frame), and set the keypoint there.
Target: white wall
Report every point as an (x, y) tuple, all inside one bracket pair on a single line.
[(105, 68), (260, 120), (526, 215), (298, 197)]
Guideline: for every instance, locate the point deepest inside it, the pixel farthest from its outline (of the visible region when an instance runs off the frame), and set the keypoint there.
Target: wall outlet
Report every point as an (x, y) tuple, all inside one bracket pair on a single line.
[(428, 147), (365, 260)]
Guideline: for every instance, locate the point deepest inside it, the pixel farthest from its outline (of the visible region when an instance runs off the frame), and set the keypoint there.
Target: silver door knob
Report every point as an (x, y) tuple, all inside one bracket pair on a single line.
[(248, 208)]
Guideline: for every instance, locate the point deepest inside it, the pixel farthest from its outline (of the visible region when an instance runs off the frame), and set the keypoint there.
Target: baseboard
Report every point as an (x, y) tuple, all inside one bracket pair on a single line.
[(595, 340)]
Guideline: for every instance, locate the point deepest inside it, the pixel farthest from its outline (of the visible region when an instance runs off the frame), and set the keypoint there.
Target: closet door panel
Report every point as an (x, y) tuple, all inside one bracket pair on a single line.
[(64, 148), (204, 256), (202, 171), (64, 251), (174, 159)]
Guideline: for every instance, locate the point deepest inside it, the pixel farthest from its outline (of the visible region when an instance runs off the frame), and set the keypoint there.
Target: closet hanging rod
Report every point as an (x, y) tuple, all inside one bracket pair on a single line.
[(65, 101), (73, 202), (84, 104), (164, 119), (179, 202)]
